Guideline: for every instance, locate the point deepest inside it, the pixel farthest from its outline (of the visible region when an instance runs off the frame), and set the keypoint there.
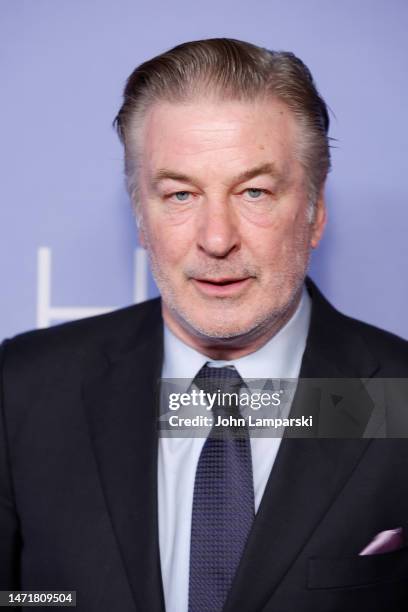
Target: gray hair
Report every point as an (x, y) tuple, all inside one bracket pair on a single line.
[(235, 70)]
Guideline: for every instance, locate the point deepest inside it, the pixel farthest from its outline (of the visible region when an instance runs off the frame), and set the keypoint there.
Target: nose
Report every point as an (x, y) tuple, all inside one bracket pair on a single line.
[(217, 233)]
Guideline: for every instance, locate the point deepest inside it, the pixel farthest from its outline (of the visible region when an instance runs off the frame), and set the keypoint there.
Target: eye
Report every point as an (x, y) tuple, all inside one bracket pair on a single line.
[(255, 193), (181, 196)]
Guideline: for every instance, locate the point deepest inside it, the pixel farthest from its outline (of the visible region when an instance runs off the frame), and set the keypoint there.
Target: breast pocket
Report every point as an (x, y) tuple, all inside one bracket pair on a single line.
[(357, 571)]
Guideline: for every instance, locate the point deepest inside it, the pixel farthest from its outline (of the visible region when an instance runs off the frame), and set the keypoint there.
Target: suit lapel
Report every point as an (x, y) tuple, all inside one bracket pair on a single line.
[(308, 474), (121, 405), (305, 480)]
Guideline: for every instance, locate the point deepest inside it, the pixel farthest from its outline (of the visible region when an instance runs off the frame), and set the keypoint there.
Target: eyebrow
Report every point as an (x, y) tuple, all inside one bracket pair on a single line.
[(267, 168)]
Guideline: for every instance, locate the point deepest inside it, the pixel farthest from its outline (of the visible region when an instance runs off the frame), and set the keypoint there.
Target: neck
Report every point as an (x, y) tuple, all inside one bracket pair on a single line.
[(228, 349)]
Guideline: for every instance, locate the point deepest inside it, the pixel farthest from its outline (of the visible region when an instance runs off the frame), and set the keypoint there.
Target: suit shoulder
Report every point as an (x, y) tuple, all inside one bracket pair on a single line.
[(111, 332), (391, 350), (356, 347)]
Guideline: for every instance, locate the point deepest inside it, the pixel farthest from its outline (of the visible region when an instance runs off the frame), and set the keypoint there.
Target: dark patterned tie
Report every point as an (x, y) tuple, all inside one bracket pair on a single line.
[(223, 501)]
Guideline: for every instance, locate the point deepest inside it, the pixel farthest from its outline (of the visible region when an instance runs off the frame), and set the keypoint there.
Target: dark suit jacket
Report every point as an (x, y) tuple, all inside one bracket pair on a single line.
[(78, 455)]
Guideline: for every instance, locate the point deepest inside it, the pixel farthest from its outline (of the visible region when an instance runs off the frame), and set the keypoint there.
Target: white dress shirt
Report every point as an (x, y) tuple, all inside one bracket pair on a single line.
[(280, 357)]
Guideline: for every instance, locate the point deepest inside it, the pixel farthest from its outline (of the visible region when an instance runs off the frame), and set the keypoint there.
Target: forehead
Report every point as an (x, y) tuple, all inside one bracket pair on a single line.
[(213, 136)]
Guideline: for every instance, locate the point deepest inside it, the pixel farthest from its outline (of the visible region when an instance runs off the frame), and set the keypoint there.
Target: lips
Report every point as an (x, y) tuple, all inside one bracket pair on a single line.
[(221, 287), (220, 281)]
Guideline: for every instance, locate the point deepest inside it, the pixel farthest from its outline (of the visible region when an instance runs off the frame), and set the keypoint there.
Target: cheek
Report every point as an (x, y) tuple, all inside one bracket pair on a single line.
[(277, 232), (270, 245), (298, 230), (283, 245), (168, 244)]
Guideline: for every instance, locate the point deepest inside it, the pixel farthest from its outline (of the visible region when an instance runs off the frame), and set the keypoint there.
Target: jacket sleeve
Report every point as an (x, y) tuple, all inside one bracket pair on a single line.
[(10, 543)]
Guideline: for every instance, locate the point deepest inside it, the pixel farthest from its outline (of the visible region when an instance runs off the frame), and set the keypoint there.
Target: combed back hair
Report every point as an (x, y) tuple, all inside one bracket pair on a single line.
[(228, 69)]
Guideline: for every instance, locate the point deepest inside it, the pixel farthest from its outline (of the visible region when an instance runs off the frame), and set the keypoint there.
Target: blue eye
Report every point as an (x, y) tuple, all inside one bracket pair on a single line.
[(182, 196), (254, 193)]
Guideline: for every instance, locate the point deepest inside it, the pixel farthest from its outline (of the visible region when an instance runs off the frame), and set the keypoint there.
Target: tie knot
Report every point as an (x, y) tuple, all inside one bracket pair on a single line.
[(222, 387), (214, 379)]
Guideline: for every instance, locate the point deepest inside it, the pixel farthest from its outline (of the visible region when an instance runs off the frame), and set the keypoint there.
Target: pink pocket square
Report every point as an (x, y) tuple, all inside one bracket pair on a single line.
[(385, 541)]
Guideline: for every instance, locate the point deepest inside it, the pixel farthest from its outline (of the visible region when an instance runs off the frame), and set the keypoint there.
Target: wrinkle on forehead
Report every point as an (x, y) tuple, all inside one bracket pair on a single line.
[(234, 135), (204, 117), (201, 139)]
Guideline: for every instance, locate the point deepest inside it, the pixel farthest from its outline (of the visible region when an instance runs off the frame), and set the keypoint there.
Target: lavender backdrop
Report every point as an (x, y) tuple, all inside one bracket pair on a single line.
[(63, 66)]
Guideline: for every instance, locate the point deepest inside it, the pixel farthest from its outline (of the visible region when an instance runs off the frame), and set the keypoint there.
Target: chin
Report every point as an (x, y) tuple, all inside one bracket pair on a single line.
[(225, 327), (222, 332)]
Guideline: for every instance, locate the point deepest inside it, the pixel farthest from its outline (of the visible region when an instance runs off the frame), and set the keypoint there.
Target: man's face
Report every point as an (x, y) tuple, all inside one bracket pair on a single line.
[(224, 215)]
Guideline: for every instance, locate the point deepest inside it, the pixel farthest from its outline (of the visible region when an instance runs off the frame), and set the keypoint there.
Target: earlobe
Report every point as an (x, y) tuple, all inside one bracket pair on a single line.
[(141, 236), (139, 226), (319, 222)]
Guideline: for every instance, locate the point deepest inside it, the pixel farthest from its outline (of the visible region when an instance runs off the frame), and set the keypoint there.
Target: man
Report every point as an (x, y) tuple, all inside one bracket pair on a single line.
[(226, 150)]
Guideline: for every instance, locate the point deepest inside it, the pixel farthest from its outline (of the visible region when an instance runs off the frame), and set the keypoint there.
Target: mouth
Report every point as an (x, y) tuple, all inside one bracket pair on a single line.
[(221, 287)]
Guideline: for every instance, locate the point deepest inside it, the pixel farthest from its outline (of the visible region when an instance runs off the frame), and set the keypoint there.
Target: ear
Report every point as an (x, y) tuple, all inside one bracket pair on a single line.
[(320, 220), (141, 236), (139, 225)]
